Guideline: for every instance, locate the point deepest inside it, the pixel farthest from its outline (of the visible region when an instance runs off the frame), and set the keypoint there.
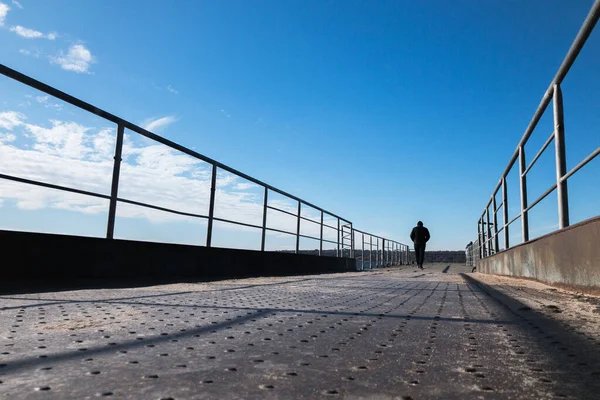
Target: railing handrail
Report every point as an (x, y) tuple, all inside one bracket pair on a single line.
[(582, 36), (552, 94), (398, 249), (29, 81)]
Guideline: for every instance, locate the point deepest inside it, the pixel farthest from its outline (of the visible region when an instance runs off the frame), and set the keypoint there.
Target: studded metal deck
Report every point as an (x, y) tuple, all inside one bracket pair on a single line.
[(391, 334)]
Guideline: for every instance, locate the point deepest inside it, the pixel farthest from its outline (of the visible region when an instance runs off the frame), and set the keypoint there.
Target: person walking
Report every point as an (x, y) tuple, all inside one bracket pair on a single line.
[(420, 236)]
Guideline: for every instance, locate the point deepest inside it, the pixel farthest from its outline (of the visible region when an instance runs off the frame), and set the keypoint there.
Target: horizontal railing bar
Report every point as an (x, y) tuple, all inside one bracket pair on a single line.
[(309, 237), (283, 211), (52, 186), (514, 219), (542, 197), (581, 164), (237, 223), (499, 207), (310, 220), (139, 203), (329, 226), (11, 73), (539, 154), (282, 231)]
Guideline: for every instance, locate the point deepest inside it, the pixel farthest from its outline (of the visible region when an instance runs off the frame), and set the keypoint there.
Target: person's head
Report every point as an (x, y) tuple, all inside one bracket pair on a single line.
[(419, 223)]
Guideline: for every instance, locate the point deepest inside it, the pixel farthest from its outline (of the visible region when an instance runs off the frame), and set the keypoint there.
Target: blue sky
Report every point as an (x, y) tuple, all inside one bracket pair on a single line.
[(384, 112)]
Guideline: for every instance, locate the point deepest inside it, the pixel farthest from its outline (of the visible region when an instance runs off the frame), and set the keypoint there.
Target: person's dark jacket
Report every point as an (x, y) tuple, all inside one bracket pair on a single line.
[(419, 235)]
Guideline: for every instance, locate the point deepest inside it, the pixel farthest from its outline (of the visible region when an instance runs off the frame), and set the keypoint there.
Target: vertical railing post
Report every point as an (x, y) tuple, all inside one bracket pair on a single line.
[(298, 229), (505, 212), (338, 238), (211, 206), (523, 188), (114, 189), (264, 221), (351, 240), (480, 237), (561, 159), (321, 236), (362, 257), (383, 254), (370, 251), (377, 260), (488, 230), (495, 220)]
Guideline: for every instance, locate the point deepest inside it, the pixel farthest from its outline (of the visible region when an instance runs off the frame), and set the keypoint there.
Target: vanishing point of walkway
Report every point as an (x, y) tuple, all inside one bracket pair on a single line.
[(398, 333)]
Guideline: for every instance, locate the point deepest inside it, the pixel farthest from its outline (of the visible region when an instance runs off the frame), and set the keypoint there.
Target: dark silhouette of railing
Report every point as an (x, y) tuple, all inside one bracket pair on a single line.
[(488, 230), (387, 252)]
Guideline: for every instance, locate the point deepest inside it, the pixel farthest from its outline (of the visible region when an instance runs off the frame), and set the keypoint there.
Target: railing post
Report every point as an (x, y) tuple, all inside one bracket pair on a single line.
[(370, 251), (523, 188), (338, 238), (489, 231), (561, 159), (351, 241), (496, 239), (264, 222), (114, 189), (480, 237), (211, 207), (505, 212), (321, 236), (362, 257), (298, 229)]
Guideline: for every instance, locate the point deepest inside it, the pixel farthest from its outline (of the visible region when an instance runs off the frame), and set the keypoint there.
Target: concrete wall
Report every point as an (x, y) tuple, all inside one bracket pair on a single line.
[(38, 256), (568, 258)]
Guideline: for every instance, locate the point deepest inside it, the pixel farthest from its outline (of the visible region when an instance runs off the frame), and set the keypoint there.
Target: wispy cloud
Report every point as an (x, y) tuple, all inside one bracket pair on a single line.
[(3, 11), (78, 59), (157, 124), (170, 89), (16, 3), (32, 33), (32, 52), (225, 113)]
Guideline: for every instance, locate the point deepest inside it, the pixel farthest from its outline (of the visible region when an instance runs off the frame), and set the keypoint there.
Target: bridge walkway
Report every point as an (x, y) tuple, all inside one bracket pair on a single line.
[(398, 333)]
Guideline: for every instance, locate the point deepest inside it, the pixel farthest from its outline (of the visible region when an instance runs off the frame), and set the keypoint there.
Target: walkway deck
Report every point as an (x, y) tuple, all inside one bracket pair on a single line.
[(390, 334)]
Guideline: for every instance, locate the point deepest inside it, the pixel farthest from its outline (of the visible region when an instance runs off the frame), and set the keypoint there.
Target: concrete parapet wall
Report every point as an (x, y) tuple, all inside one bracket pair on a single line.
[(568, 258), (38, 256)]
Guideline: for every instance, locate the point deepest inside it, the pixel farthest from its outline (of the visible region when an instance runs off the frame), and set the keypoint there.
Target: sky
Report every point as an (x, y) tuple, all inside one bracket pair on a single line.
[(381, 112)]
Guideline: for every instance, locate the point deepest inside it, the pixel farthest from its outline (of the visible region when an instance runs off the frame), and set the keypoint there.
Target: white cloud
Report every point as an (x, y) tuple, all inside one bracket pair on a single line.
[(16, 3), (225, 113), (153, 125), (78, 59), (32, 33), (73, 155), (25, 51), (7, 137), (41, 99), (170, 89), (26, 32), (3, 12), (11, 119)]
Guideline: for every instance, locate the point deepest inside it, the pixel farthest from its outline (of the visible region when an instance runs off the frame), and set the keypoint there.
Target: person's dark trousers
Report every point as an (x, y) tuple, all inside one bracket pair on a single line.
[(420, 253)]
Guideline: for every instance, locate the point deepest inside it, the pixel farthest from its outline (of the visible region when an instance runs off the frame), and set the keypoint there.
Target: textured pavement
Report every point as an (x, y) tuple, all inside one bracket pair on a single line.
[(399, 333)]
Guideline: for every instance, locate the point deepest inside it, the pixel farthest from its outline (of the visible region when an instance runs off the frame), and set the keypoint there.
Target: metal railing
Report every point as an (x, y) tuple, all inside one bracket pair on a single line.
[(344, 245), (488, 228)]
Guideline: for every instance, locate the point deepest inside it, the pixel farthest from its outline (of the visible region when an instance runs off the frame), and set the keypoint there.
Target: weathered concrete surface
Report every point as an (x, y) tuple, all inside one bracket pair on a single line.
[(569, 258), (389, 334), (64, 258)]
